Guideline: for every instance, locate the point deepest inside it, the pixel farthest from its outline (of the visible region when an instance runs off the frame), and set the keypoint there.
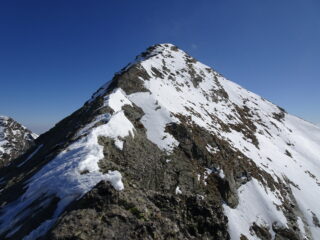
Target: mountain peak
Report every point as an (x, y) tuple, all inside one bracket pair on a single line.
[(160, 49), (168, 148), (163, 50), (159, 61)]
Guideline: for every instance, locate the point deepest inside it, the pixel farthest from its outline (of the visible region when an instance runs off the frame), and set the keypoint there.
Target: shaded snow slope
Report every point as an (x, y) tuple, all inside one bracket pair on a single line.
[(171, 88)]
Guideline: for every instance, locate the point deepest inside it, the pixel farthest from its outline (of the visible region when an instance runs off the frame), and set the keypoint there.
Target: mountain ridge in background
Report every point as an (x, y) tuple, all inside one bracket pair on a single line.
[(169, 149), (15, 139)]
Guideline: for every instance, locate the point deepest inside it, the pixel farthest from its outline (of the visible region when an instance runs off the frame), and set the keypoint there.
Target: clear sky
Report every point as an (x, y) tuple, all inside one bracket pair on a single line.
[(55, 54)]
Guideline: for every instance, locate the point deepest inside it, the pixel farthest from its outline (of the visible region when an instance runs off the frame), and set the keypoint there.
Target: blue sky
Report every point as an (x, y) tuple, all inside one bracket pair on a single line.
[(55, 54)]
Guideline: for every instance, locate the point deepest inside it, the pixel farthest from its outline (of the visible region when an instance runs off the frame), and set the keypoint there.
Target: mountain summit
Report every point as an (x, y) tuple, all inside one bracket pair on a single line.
[(169, 149)]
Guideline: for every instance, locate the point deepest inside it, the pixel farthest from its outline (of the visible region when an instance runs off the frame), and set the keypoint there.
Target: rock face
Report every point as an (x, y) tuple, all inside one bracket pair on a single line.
[(169, 149), (15, 139)]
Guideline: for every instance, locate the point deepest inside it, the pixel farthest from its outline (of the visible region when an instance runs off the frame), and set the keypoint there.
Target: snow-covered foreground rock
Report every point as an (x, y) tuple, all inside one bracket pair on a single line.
[(169, 149), (15, 139)]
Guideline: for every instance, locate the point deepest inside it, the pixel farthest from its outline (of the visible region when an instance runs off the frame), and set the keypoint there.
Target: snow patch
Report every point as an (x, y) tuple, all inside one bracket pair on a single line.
[(255, 205), (115, 178), (178, 190), (116, 100), (155, 120), (301, 226), (211, 149)]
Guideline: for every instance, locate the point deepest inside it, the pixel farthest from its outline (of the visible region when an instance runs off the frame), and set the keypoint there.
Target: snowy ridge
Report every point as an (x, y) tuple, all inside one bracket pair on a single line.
[(74, 171)]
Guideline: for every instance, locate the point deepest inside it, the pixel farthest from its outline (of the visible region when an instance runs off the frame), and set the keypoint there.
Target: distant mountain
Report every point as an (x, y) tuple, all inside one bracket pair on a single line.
[(15, 139), (169, 149)]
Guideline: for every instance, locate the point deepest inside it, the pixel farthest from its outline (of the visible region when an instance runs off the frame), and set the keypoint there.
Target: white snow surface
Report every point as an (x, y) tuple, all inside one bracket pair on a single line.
[(155, 120), (74, 171), (178, 190), (256, 205)]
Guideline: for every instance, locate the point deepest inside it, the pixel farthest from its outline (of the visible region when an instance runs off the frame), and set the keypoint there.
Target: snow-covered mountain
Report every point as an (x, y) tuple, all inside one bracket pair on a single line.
[(169, 149), (15, 139)]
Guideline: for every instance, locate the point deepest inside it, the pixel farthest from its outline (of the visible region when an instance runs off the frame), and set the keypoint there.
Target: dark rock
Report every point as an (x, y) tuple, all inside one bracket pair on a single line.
[(284, 233), (261, 232)]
